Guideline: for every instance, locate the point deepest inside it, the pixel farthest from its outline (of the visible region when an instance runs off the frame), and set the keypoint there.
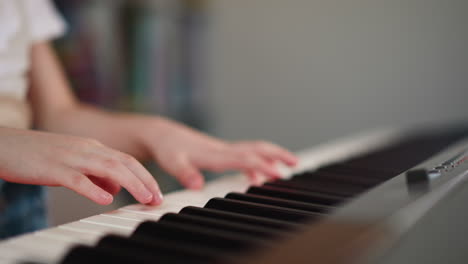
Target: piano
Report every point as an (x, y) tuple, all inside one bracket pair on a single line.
[(388, 196)]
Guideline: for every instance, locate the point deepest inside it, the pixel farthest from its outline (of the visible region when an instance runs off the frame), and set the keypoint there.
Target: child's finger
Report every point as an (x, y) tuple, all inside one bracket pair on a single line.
[(272, 151), (148, 180), (250, 161), (111, 168), (84, 186), (255, 177), (185, 172), (108, 185)]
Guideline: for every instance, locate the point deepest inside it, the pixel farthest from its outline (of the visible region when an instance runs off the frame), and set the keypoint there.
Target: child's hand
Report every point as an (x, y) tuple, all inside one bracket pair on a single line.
[(83, 165), (182, 152)]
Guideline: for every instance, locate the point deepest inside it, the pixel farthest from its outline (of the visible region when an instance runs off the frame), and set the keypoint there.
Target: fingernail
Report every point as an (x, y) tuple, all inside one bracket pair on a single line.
[(275, 173), (147, 196), (158, 198), (278, 174), (257, 181), (294, 161), (106, 197)]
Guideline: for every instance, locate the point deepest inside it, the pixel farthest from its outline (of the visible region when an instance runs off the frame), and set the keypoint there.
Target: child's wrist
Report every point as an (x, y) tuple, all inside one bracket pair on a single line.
[(149, 131)]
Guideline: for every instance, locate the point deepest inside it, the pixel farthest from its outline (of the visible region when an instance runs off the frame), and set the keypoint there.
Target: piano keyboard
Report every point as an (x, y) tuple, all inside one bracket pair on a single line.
[(230, 218)]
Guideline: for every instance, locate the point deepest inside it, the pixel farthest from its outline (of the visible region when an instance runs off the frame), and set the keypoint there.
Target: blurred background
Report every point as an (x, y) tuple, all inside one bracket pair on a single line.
[(296, 72)]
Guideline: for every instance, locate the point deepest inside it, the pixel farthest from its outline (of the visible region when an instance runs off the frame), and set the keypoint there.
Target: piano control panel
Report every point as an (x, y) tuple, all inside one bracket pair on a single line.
[(449, 164), (419, 179)]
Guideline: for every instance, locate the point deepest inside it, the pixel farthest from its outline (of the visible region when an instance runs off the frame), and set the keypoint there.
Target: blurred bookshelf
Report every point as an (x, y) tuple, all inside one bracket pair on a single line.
[(140, 56)]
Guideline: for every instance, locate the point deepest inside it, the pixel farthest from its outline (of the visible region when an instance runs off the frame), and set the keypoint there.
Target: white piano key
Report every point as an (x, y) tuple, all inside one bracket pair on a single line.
[(105, 220), (188, 197), (224, 185), (217, 188), (13, 254), (42, 249), (70, 235), (95, 228), (165, 207), (132, 216)]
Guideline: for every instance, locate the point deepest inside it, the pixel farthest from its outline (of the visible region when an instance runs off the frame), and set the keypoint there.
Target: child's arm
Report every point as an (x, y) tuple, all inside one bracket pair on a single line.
[(178, 149)]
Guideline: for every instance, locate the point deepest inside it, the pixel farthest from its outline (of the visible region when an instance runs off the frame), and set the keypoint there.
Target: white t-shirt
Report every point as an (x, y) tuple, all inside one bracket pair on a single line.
[(22, 23)]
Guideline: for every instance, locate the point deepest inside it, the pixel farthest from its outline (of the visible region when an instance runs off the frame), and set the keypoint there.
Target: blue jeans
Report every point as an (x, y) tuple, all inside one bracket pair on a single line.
[(22, 208)]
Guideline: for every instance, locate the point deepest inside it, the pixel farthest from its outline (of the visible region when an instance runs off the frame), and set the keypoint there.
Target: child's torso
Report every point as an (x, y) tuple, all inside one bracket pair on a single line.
[(14, 64)]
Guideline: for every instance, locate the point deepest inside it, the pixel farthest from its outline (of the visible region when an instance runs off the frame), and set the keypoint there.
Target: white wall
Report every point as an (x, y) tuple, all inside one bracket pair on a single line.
[(302, 71)]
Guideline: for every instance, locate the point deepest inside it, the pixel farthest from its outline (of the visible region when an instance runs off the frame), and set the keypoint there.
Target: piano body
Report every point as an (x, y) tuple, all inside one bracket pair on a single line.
[(389, 196)]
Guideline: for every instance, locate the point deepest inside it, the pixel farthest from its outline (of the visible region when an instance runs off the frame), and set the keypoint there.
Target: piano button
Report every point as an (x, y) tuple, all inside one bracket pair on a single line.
[(433, 174), (342, 190), (240, 218), (301, 196), (222, 225), (255, 198), (197, 235), (256, 209), (161, 250)]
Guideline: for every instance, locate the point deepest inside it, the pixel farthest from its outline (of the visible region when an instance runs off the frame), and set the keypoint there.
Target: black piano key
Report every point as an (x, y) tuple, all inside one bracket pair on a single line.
[(197, 235), (240, 218), (356, 183), (382, 164), (398, 157), (255, 198), (317, 186), (348, 169), (92, 255), (162, 250), (337, 177), (301, 196), (246, 229), (256, 209), (393, 164), (294, 186)]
